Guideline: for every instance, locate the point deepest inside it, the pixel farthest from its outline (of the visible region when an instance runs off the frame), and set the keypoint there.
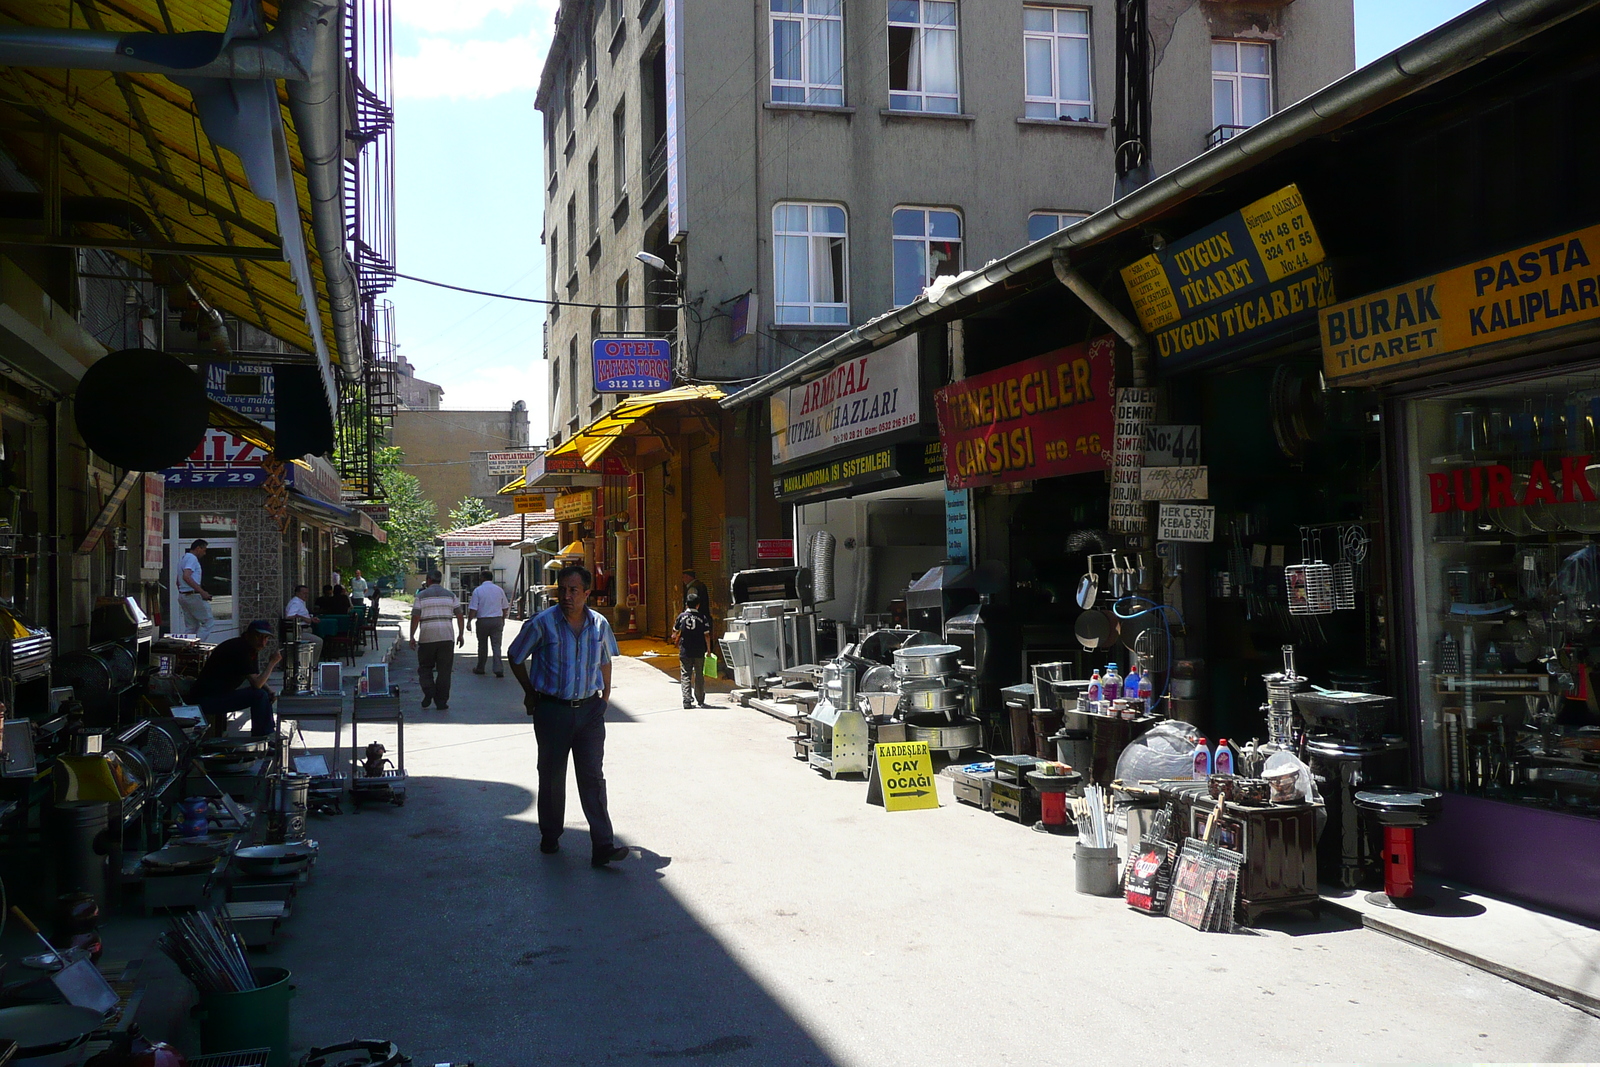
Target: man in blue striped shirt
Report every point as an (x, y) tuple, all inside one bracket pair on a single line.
[(566, 691)]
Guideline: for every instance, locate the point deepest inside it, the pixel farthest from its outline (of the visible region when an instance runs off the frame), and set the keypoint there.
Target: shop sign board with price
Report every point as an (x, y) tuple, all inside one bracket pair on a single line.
[(1244, 279), (1040, 418)]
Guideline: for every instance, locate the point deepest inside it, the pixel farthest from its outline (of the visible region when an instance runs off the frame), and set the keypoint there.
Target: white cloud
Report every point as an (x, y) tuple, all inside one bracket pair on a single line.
[(471, 70), (457, 16)]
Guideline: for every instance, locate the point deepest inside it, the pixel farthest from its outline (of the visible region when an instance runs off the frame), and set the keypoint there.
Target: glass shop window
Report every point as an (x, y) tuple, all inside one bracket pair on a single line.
[(193, 524), (1507, 585)]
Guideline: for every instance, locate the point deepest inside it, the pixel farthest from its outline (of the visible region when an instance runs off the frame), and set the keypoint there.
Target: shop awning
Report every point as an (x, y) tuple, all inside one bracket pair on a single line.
[(225, 418), (642, 420), (344, 518)]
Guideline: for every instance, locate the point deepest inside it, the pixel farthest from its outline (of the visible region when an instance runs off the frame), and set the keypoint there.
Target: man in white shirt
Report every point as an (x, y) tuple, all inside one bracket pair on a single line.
[(358, 588), (309, 638), (193, 601), (336, 578), (488, 608)]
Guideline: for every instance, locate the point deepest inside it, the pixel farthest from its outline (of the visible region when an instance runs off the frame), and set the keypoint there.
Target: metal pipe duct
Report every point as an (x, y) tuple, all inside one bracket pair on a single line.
[(821, 552), (1108, 314)]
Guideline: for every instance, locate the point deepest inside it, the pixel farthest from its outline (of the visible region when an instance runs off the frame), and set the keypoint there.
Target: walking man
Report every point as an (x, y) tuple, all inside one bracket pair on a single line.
[(566, 690), (431, 613), (193, 600), (488, 609), (690, 632)]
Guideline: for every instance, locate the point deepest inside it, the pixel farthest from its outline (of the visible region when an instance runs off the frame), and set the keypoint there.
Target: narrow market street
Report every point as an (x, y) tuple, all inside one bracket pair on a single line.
[(769, 916)]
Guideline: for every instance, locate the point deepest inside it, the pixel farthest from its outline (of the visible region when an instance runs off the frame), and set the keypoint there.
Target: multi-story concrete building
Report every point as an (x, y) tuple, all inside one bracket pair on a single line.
[(448, 452), (800, 166)]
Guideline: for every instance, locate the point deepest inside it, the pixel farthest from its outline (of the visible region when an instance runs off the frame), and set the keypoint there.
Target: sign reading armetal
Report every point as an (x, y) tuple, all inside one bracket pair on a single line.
[(1187, 522), (529, 503), (1043, 417), (632, 364), (905, 772), (873, 394), (1542, 286)]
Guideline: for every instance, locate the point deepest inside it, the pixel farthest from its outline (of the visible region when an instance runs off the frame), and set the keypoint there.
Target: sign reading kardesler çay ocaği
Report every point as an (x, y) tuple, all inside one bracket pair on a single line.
[(1043, 417)]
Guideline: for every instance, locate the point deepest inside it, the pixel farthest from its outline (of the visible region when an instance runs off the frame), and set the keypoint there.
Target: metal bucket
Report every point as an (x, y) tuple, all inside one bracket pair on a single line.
[(1045, 695), (926, 661), (287, 820)]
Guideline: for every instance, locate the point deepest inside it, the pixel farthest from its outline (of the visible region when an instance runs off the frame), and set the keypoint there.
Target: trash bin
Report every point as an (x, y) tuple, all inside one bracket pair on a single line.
[(255, 1018)]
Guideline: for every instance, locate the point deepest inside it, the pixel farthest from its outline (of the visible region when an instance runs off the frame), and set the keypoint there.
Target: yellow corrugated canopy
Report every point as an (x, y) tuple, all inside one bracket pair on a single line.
[(629, 418), (135, 137)]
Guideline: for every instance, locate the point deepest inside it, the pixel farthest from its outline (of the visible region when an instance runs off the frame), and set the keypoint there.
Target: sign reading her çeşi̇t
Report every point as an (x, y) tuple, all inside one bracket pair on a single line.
[(1043, 417), (873, 394), (1542, 286)]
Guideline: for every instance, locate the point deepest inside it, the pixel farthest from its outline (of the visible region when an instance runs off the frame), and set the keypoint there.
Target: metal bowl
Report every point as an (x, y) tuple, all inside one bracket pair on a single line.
[(276, 859)]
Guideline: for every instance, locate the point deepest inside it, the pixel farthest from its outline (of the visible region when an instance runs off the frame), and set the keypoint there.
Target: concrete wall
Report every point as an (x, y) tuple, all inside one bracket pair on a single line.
[(438, 447)]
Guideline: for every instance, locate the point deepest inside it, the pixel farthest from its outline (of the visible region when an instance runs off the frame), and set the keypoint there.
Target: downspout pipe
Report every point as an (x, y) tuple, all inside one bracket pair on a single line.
[(1137, 342)]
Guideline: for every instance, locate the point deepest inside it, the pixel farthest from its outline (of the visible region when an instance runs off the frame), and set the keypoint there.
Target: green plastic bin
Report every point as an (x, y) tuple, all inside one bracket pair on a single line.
[(256, 1018)]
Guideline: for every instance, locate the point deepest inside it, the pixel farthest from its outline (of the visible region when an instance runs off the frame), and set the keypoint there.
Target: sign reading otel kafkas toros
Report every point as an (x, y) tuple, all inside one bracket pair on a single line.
[(1542, 286), (1043, 417)]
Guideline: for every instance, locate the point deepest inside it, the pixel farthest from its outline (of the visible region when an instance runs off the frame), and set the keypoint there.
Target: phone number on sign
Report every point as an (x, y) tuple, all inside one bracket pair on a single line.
[(216, 477), (633, 384)]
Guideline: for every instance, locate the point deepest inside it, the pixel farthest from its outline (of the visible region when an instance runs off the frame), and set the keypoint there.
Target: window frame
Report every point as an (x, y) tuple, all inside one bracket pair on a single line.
[(811, 304), (1222, 131), (1056, 101), (624, 313), (923, 27), (924, 242), (808, 87), (619, 151), (593, 175), (1045, 213)]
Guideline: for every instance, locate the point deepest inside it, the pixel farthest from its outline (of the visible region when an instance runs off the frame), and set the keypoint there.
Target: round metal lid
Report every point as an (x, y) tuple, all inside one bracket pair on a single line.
[(926, 651)]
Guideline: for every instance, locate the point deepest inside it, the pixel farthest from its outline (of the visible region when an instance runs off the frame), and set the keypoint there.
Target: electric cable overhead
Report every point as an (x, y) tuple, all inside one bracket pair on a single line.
[(535, 299)]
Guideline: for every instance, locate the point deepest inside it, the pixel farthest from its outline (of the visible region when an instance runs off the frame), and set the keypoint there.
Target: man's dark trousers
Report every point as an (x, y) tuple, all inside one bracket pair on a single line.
[(489, 631), (692, 678), (259, 701), (435, 658), (581, 731)]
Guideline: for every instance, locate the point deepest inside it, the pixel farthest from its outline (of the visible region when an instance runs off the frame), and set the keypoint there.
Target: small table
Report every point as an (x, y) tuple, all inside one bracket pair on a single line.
[(323, 707)]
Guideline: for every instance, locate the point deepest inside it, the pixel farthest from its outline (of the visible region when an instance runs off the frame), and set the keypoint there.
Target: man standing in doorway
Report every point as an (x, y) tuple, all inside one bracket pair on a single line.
[(488, 609), (194, 603), (358, 588), (690, 632), (566, 690), (431, 614)]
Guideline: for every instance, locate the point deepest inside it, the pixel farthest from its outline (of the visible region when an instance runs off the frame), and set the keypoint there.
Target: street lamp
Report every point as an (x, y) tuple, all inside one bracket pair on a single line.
[(654, 261)]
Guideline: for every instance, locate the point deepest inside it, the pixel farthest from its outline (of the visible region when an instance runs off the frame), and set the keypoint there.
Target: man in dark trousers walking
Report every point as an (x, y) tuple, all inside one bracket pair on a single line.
[(566, 688), (691, 632), (431, 614)]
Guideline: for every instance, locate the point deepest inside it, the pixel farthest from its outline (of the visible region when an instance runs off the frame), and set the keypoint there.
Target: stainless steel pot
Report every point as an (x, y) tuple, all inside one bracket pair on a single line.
[(944, 698), (946, 736), (926, 661)]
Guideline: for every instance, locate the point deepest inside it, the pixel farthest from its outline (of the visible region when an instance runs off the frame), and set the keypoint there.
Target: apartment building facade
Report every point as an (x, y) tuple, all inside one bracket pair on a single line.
[(799, 166)]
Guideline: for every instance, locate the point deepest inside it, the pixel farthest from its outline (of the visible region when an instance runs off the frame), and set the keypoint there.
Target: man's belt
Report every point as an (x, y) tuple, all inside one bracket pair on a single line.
[(546, 698)]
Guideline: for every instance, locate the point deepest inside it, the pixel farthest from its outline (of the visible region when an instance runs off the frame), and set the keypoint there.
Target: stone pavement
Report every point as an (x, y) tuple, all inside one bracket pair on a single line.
[(769, 916)]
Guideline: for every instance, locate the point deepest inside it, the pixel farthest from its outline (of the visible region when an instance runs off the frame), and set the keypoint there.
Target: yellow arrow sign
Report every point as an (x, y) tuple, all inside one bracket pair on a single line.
[(905, 772)]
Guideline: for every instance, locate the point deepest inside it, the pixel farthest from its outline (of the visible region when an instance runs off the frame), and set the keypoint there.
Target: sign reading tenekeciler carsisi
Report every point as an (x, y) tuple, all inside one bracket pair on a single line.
[(870, 395)]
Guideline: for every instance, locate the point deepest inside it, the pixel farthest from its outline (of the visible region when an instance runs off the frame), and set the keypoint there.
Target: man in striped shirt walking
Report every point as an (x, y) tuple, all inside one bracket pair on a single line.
[(432, 613), (566, 688)]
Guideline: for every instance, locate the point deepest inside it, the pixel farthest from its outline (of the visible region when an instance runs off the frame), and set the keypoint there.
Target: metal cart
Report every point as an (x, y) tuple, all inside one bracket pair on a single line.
[(390, 783)]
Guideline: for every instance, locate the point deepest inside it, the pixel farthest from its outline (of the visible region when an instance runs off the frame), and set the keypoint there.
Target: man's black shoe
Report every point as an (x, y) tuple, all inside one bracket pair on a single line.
[(549, 846), (444, 707), (427, 701), (610, 855), (499, 674), (477, 670)]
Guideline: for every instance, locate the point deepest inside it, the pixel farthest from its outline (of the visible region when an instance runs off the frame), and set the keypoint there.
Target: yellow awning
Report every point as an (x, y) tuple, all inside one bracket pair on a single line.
[(516, 485), (628, 419)]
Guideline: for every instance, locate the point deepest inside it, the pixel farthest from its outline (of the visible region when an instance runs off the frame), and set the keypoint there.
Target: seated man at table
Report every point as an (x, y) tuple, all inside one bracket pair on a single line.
[(338, 602), (321, 603), (310, 640), (230, 681)]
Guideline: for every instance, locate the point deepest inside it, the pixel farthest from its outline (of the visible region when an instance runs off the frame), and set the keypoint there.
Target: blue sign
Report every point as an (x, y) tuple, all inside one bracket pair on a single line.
[(958, 525), (632, 365)]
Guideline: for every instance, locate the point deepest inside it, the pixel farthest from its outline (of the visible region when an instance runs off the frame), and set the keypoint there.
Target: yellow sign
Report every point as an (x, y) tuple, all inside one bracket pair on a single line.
[(905, 771), (529, 504), (1542, 286), (1260, 244), (571, 507)]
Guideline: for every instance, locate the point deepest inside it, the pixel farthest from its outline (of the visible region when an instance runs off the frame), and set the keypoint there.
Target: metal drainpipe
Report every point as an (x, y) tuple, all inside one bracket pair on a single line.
[(1137, 342)]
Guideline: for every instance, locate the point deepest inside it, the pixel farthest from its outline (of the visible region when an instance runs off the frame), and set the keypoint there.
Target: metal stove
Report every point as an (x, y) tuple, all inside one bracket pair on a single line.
[(772, 624), (838, 728)]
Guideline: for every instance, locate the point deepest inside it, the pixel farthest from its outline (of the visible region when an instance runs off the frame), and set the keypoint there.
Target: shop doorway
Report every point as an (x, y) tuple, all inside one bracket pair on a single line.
[(220, 530)]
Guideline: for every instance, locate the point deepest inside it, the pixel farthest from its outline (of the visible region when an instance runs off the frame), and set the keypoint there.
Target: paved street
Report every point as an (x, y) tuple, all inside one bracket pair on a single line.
[(770, 916)]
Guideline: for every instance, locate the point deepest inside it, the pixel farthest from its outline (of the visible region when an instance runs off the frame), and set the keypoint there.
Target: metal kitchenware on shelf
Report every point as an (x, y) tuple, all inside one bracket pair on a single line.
[(926, 661), (185, 858), (947, 699), (944, 736), (1095, 629), (276, 859), (879, 678), (49, 1035)]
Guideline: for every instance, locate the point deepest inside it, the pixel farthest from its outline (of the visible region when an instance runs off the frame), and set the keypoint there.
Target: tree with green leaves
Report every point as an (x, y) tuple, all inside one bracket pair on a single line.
[(470, 511), (412, 525)]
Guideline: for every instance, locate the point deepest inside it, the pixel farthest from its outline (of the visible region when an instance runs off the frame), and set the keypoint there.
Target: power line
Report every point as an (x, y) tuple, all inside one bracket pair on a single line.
[(535, 299)]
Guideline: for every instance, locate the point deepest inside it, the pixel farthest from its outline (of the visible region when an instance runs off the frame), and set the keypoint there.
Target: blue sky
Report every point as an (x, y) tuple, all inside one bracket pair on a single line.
[(469, 179)]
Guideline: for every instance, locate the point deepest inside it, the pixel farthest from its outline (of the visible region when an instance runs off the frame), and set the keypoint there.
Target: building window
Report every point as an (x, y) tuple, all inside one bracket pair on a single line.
[(619, 151), (927, 245), (555, 259), (1042, 224), (808, 52), (1241, 86), (624, 318), (1055, 48), (618, 12), (810, 268), (590, 29), (923, 74), (572, 378), (572, 233), (555, 389), (594, 197)]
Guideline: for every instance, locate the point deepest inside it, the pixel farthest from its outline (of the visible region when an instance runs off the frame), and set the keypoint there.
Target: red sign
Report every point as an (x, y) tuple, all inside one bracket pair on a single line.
[(774, 548), (1495, 485), (716, 552), (1043, 417), (155, 519)]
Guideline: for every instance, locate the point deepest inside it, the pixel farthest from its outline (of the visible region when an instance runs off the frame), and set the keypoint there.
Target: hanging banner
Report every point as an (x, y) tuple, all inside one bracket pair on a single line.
[(873, 394), (1542, 286), (1043, 417), (155, 520)]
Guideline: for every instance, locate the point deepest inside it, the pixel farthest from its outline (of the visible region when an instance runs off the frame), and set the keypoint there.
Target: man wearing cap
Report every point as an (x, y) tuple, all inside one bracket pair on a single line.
[(221, 687)]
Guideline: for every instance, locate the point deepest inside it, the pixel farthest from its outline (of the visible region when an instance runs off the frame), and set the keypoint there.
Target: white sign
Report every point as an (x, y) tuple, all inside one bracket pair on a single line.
[(1175, 483), (511, 462), (873, 394), (1187, 522), (1171, 446), (463, 548), (1132, 414)]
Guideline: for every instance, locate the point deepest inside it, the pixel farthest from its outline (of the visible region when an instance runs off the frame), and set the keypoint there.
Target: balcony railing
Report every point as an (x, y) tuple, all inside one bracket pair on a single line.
[(1219, 134)]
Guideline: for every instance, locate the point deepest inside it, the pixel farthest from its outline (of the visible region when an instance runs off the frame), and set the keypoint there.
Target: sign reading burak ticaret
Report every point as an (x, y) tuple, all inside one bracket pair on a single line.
[(1542, 286)]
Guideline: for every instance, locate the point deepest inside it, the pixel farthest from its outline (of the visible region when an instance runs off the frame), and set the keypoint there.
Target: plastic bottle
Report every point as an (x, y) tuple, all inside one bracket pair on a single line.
[(1147, 695), (1222, 758), (1094, 691), (1202, 759), (1110, 683), (1130, 681)]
